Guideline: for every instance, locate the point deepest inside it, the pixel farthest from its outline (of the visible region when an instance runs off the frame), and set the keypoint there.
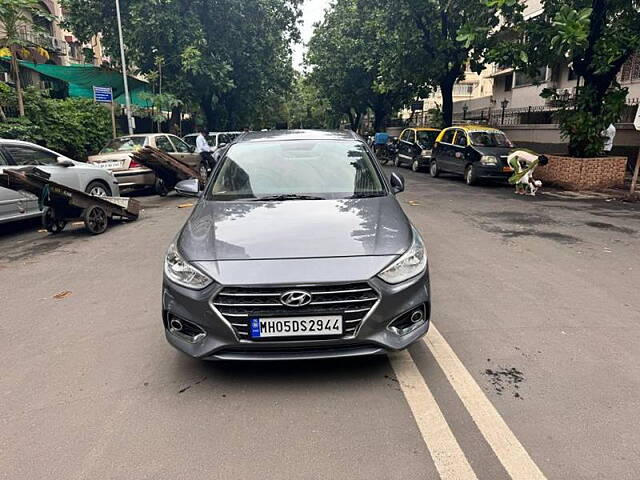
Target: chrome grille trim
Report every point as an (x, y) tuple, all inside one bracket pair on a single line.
[(353, 301)]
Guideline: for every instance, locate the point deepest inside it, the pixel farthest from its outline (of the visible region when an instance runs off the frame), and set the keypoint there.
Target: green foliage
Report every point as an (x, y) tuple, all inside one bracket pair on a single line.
[(75, 127), (595, 37), (307, 108), (230, 59)]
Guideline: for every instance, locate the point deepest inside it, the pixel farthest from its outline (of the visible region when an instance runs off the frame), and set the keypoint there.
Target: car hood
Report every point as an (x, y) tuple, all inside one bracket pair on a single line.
[(219, 231), (495, 151)]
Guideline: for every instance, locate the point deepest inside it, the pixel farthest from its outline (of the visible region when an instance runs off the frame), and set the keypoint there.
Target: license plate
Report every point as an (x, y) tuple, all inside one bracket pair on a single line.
[(110, 165), (295, 326)]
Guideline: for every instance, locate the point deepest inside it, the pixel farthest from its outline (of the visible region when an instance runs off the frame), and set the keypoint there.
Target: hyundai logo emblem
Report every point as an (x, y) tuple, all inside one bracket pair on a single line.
[(295, 298)]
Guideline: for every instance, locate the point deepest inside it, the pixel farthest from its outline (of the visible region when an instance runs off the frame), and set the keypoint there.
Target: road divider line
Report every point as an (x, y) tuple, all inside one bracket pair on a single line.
[(448, 457), (497, 433)]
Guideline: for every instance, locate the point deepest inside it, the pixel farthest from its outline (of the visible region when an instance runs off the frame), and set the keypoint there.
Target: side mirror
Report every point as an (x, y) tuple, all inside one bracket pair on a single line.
[(188, 188), (65, 162), (397, 183)]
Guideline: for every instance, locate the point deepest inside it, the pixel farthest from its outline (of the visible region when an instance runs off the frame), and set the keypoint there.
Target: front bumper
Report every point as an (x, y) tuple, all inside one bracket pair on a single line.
[(491, 172), (222, 342)]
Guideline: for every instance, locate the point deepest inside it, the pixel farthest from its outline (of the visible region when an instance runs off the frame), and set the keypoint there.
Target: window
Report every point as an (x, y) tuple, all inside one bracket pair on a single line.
[(461, 139), (411, 136), (31, 156), (631, 69), (318, 168), (191, 140), (448, 136), (124, 144), (508, 82), (426, 138), (223, 139), (405, 136), (490, 139), (163, 143), (463, 90), (3, 160), (522, 79), (180, 146)]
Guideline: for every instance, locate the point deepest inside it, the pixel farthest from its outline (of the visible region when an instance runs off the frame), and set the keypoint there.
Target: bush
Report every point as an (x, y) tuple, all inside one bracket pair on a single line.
[(75, 127)]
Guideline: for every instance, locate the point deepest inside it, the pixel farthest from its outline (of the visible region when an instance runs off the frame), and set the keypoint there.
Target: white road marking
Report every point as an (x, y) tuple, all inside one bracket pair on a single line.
[(499, 436), (447, 455)]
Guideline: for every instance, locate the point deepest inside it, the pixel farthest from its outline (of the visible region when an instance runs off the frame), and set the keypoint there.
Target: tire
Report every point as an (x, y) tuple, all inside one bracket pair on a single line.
[(396, 161), (415, 166), (98, 189), (50, 223), (96, 219), (434, 169), (161, 188), (470, 175)]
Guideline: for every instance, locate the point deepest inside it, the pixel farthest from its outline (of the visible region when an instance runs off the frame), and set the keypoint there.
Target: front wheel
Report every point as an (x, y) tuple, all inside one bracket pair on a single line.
[(471, 176), (396, 161), (434, 169), (98, 189), (415, 165)]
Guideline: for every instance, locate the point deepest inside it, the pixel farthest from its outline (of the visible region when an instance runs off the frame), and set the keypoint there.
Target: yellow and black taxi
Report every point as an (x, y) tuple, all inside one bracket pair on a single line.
[(475, 151), (414, 147)]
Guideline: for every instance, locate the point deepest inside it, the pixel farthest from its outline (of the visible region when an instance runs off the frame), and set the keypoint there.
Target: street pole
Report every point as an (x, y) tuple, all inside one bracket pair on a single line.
[(113, 117), (636, 170), (127, 99)]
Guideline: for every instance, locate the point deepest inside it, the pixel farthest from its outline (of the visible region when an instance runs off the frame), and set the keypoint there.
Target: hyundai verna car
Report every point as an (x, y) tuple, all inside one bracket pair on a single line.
[(297, 248)]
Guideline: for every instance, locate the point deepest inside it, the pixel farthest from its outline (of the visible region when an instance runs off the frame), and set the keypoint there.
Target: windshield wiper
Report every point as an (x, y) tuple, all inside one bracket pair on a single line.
[(284, 197), (367, 195)]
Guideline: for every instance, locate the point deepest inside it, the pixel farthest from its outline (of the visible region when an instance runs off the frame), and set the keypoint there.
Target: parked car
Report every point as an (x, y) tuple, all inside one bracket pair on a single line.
[(414, 147), (22, 205), (214, 139), (341, 272), (116, 157), (475, 151)]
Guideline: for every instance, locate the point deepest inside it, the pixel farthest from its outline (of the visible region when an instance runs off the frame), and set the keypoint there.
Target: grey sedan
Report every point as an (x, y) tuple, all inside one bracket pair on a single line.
[(297, 248), (22, 205)]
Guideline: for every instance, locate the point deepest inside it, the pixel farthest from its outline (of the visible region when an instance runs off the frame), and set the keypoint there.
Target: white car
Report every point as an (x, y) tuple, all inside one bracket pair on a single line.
[(80, 176)]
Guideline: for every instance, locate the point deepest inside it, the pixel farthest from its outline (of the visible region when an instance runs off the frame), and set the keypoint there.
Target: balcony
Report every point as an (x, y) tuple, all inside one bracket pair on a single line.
[(50, 43)]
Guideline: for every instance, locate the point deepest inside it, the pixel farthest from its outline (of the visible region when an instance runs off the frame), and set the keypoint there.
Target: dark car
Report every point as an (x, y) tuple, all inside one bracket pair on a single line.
[(297, 248), (414, 147), (475, 151)]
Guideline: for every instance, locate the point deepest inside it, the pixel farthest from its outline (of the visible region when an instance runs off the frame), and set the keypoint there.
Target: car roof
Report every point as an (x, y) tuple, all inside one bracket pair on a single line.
[(288, 135), (477, 128), (424, 129)]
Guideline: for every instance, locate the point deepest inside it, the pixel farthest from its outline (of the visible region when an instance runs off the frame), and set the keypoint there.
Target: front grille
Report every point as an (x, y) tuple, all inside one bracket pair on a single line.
[(353, 301)]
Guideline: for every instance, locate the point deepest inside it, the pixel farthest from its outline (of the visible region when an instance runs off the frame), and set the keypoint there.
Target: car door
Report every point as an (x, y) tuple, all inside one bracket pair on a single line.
[(406, 145), (444, 155), (459, 148), (183, 152), (12, 203)]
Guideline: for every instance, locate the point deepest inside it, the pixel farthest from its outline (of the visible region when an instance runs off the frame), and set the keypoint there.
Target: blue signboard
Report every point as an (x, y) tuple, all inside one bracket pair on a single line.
[(103, 94)]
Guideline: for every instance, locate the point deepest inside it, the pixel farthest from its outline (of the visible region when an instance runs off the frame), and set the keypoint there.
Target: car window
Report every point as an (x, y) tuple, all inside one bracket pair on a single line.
[(447, 137), (426, 138), (224, 139), (124, 144), (318, 168), (211, 140), (31, 156), (163, 143), (190, 141), (179, 145), (412, 136), (461, 138), (490, 139), (3, 159)]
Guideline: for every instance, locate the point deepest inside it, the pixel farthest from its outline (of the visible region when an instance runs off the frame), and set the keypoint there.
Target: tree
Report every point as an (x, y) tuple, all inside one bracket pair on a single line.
[(307, 108), (350, 62), (17, 16), (440, 38), (230, 57), (595, 38)]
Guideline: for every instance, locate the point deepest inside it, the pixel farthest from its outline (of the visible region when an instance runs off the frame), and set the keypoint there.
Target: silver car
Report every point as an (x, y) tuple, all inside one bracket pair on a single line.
[(297, 248), (22, 205)]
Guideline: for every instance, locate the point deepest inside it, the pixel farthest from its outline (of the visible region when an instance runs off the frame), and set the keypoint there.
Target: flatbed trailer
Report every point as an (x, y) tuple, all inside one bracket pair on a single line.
[(61, 204), (167, 168)]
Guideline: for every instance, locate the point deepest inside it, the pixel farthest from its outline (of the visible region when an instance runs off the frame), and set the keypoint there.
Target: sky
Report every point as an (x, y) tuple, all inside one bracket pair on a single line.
[(312, 12)]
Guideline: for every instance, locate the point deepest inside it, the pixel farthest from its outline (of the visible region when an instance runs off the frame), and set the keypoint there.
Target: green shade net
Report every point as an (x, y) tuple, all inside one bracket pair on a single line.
[(82, 79)]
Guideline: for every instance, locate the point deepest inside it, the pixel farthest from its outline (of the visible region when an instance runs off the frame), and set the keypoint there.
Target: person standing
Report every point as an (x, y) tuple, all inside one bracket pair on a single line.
[(204, 149)]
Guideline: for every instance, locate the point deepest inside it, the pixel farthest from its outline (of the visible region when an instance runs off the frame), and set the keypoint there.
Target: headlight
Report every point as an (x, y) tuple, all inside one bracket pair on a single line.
[(410, 264), (425, 153), (488, 160), (181, 272)]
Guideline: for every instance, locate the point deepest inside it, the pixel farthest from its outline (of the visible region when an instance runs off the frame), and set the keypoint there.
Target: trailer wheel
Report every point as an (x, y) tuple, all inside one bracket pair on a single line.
[(51, 223), (96, 219)]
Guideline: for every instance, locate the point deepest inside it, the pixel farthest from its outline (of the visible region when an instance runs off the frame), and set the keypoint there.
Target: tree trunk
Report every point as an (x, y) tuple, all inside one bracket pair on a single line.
[(354, 120), (16, 73), (446, 90), (174, 122)]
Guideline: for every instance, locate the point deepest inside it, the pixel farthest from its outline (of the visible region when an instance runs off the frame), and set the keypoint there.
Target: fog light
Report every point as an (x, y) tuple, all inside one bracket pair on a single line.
[(185, 330), (409, 321)]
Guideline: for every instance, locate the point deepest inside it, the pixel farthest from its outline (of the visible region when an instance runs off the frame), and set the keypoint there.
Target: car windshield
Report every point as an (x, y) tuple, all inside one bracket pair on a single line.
[(124, 144), (211, 140), (427, 138), (490, 139), (289, 170)]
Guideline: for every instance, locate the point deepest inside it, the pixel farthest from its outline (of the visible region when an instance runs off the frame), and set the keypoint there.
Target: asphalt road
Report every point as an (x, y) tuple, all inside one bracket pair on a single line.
[(532, 371)]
